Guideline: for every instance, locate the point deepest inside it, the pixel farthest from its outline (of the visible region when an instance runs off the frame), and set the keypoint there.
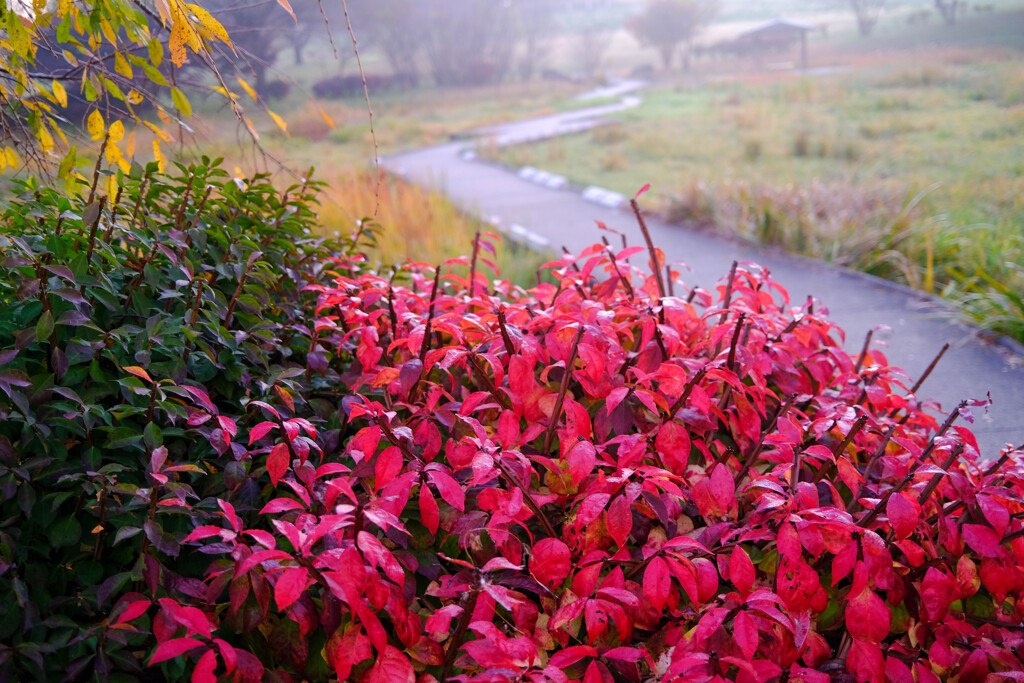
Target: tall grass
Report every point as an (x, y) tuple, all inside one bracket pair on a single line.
[(409, 222)]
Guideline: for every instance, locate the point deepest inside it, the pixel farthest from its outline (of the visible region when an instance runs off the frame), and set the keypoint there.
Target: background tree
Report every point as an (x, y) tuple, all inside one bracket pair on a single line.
[(535, 21), (948, 9), (667, 24), (468, 42), (397, 28), (260, 36), (867, 12)]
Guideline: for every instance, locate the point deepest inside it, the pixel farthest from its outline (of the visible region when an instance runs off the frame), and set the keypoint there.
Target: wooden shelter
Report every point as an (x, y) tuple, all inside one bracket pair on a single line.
[(775, 36)]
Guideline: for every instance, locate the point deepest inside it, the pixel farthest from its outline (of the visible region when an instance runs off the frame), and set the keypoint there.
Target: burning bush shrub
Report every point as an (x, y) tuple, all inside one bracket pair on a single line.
[(437, 476)]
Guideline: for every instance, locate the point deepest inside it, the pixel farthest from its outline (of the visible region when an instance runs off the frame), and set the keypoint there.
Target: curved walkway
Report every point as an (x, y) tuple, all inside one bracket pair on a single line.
[(913, 327)]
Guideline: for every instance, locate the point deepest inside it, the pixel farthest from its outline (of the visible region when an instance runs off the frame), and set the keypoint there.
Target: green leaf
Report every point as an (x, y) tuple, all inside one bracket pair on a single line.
[(65, 532), (44, 328)]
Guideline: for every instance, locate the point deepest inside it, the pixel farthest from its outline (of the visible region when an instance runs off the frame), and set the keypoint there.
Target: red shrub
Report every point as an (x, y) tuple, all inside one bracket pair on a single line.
[(591, 482)]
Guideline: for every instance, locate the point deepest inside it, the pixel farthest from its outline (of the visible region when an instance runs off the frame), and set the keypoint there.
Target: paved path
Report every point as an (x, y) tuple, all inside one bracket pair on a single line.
[(548, 212)]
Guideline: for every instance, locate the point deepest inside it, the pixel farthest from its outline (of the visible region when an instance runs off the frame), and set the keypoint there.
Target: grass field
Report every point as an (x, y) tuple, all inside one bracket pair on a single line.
[(907, 165)]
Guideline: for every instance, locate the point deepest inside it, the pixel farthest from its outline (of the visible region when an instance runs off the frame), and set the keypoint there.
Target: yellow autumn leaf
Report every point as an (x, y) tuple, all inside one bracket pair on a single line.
[(280, 122), (108, 32), (181, 102), (134, 97), (60, 94), (176, 44), (328, 119), (129, 145), (116, 132), (112, 185), (122, 66), (45, 139), (94, 124), (208, 27), (158, 156), (11, 157), (247, 88)]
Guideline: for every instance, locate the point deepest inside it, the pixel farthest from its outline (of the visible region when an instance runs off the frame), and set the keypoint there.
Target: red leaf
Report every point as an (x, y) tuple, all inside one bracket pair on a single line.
[(619, 520), (982, 539), (429, 514), (623, 654), (745, 633), (582, 457), (903, 515), (260, 430), (551, 561), (194, 621), (937, 592), (203, 398), (867, 617), (716, 495), (133, 611), (673, 445), (392, 667), (967, 576), (277, 462), (996, 514), (290, 585), (441, 620), (203, 673), (642, 190), (229, 427), (387, 467), (175, 647), (449, 489), (379, 556), (865, 662), (657, 583), (741, 570)]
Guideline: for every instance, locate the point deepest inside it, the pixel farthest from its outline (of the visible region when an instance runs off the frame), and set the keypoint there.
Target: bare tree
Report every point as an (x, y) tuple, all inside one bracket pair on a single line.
[(867, 12), (948, 9), (535, 21), (667, 24), (467, 41)]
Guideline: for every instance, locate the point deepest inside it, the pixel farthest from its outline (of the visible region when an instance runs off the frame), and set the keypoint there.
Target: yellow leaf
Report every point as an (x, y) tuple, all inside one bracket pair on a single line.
[(122, 66), (18, 36), (161, 160), (288, 9), (11, 156), (129, 145), (45, 139), (247, 88), (181, 102), (209, 28), (134, 97), (177, 44), (226, 93), (330, 122), (116, 132), (112, 186), (94, 124), (60, 94), (279, 121), (108, 32)]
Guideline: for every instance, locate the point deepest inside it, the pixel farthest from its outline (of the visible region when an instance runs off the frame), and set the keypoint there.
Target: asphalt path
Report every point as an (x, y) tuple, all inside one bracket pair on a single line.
[(910, 329)]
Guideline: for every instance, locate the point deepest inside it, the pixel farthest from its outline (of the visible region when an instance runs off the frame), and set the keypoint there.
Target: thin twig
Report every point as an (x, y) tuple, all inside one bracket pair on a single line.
[(655, 261), (557, 410), (369, 108), (863, 351)]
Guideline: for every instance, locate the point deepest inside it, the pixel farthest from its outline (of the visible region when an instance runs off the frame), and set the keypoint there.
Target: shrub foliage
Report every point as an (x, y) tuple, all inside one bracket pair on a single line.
[(229, 453)]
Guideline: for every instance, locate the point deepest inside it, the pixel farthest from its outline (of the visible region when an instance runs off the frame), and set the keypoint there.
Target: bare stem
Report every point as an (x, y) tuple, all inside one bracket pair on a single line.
[(655, 261), (557, 410)]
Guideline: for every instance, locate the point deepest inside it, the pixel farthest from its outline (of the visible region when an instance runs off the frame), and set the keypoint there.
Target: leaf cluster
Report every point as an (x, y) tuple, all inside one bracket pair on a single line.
[(440, 477)]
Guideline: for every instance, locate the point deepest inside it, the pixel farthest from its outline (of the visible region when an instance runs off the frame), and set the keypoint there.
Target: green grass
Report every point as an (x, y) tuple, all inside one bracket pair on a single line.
[(912, 172)]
